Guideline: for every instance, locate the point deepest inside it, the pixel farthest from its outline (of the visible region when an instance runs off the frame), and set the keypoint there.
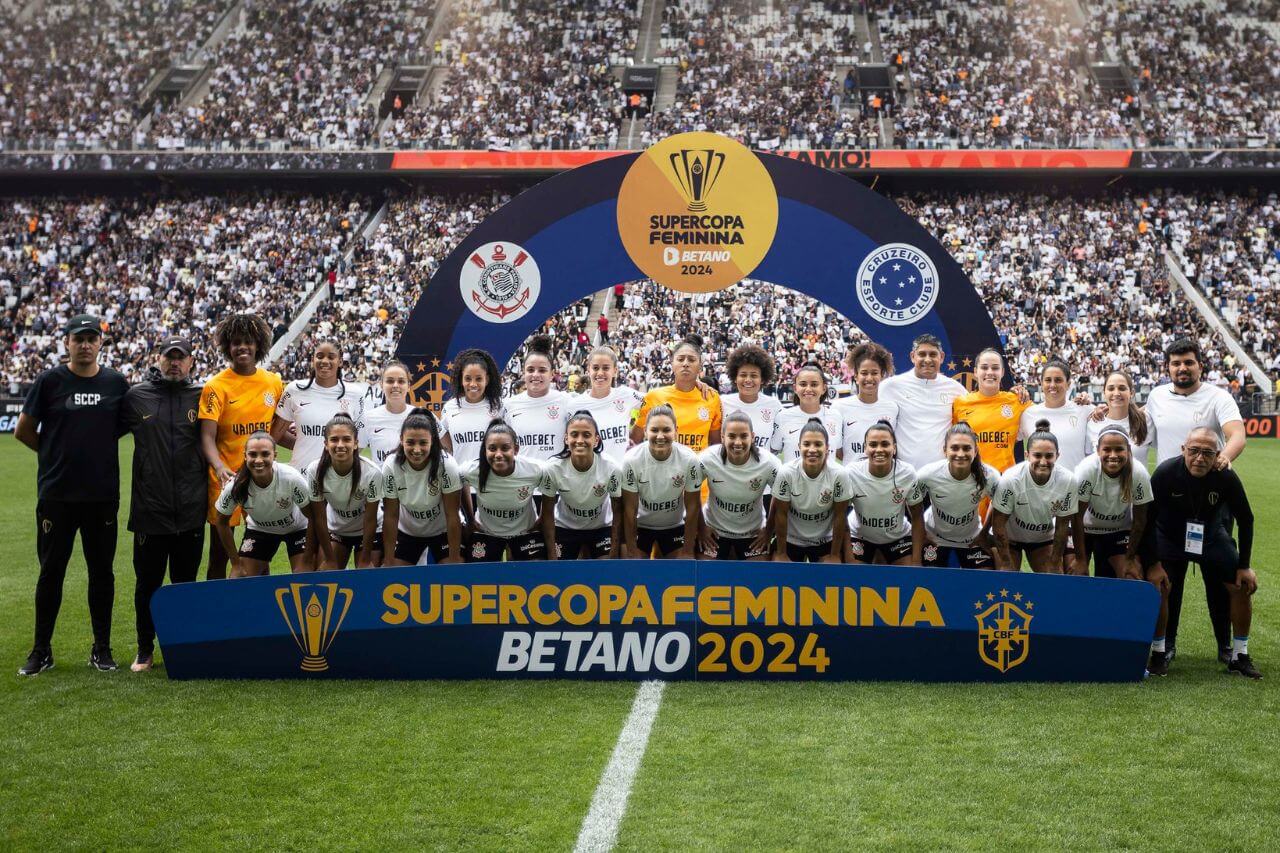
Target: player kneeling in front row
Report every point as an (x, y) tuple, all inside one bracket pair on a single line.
[(811, 502), (956, 487), (661, 481), (1194, 503), (349, 486), (582, 495), (737, 476), (1033, 507), (885, 492), (1115, 493), (276, 501), (420, 487), (505, 521)]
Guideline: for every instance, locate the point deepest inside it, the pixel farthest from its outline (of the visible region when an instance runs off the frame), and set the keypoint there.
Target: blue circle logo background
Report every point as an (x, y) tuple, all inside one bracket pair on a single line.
[(897, 284)]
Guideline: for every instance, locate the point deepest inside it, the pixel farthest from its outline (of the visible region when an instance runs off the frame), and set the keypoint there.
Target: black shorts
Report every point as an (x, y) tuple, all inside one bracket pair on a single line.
[(969, 557), (1101, 547), (354, 540), (489, 549), (1219, 562), (890, 552), (261, 545), (583, 544), (1030, 547), (668, 541), (729, 548), (808, 553), (412, 549)]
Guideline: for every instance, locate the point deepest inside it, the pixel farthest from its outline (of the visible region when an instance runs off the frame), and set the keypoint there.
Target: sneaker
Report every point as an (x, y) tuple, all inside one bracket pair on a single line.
[(1159, 663), (37, 662), (142, 662), (100, 659), (1224, 655), (1243, 666)]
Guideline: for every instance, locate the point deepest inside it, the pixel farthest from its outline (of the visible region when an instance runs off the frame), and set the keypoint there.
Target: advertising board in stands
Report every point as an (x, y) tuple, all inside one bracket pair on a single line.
[(10, 408), (1262, 426)]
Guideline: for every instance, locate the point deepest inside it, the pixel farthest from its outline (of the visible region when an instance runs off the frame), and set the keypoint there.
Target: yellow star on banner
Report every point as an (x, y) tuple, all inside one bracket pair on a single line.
[(977, 605), (435, 362), (968, 362), (1017, 596), (951, 365), (421, 366), (1004, 593), (1030, 606), (990, 596), (449, 367)]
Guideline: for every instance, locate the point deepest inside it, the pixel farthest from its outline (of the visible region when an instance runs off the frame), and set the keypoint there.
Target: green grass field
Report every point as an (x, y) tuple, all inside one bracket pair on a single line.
[(113, 760)]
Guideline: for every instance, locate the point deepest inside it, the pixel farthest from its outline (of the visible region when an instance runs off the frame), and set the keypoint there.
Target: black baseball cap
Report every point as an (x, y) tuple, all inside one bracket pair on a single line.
[(177, 343), (84, 323)]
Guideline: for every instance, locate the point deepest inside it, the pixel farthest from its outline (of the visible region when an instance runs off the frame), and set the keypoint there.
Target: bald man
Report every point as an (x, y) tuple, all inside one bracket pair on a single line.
[(1194, 503)]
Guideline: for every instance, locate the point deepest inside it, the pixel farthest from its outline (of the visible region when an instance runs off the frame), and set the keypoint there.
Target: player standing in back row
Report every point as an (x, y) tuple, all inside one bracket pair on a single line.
[(924, 401)]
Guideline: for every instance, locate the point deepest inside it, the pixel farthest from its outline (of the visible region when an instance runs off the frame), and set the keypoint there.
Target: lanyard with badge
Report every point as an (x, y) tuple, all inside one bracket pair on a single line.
[(1193, 541)]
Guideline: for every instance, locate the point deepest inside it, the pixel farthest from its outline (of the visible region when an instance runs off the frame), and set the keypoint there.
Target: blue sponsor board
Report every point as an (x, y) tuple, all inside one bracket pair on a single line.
[(674, 619)]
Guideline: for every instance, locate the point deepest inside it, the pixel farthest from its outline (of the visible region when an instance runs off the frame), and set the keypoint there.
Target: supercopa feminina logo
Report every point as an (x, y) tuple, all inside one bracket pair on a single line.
[(500, 282), (897, 284)]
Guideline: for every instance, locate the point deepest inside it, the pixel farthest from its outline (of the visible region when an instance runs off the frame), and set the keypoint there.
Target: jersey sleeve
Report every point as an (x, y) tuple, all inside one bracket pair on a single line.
[(450, 479), (1084, 479), (300, 491), (212, 402), (630, 477), (777, 440), (225, 504), (615, 478), (1004, 495), (389, 481), (287, 408), (1070, 503), (1225, 409), (374, 486), (717, 413), (470, 473), (843, 490), (915, 492), (784, 487), (693, 474), (1142, 492)]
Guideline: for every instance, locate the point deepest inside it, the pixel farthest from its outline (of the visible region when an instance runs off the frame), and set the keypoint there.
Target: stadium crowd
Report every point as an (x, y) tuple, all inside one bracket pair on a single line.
[(534, 75)]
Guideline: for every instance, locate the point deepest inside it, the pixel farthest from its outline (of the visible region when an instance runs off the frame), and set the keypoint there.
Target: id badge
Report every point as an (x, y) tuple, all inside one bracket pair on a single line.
[(1194, 543)]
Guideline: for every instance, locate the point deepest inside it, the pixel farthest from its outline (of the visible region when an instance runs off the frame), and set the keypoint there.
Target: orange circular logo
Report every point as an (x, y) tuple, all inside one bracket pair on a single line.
[(697, 212)]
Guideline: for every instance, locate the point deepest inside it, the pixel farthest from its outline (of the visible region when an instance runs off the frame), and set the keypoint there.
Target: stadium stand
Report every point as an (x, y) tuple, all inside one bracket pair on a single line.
[(536, 75), (209, 255)]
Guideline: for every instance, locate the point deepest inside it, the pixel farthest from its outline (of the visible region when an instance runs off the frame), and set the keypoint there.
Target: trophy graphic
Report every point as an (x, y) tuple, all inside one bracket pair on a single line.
[(697, 170), (311, 622)]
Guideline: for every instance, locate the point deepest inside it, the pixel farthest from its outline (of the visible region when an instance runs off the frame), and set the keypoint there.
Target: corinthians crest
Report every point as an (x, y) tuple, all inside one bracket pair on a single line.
[(500, 282), (1004, 629)]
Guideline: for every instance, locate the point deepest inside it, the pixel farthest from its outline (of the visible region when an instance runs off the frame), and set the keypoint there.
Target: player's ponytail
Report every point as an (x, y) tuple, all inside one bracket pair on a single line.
[(815, 425), (538, 345), (1042, 433), (693, 342), (240, 485), (341, 419), (497, 425), (421, 418), (882, 426), (978, 469)]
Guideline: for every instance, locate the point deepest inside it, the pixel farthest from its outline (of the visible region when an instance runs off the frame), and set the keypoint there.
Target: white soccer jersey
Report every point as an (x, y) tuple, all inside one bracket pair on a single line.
[(791, 420), (275, 509), (421, 500), (613, 418), (466, 424), (380, 432), (859, 417), (1175, 415), (1069, 424), (878, 504), (1095, 429), (952, 518), (1032, 509), (811, 499), (763, 413), (1108, 512), (505, 507), (661, 486), (735, 505), (309, 407), (539, 422), (344, 506), (585, 498), (924, 414)]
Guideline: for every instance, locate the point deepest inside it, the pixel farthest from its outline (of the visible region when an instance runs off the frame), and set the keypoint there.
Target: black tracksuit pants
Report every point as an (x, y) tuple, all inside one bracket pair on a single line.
[(57, 523), (180, 554)]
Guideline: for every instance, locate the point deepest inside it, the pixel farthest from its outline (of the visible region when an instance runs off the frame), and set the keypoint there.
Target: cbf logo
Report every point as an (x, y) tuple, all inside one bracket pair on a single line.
[(1004, 630), (314, 619), (897, 284), (500, 282)]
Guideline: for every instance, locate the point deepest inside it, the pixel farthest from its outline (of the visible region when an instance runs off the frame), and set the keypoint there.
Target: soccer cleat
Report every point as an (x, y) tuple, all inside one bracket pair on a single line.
[(1224, 655), (37, 662), (100, 659), (142, 662), (1243, 666), (1158, 664)]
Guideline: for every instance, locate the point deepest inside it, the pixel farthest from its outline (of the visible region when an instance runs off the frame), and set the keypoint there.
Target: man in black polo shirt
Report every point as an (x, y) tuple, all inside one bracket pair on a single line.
[(169, 500), (1194, 504), (71, 419)]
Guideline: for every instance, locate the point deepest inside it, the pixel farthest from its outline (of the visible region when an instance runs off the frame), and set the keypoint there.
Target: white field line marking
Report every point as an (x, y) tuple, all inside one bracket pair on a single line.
[(600, 827)]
